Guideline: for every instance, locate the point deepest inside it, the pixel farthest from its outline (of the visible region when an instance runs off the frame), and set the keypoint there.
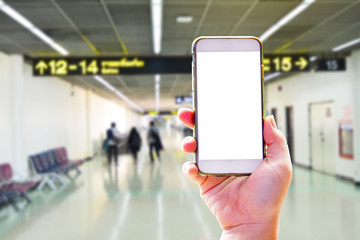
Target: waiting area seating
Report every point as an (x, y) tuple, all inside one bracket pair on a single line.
[(9, 197), (53, 165), (11, 190)]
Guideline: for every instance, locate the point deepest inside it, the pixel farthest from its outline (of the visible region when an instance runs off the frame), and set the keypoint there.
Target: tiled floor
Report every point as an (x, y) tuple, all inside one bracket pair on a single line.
[(157, 202)]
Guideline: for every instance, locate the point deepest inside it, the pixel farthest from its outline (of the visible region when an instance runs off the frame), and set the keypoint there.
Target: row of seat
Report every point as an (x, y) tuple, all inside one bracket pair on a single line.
[(11, 190), (51, 165)]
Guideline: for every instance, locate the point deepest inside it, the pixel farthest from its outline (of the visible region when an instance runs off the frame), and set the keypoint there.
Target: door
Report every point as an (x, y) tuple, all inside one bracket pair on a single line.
[(322, 137), (274, 113), (289, 114)]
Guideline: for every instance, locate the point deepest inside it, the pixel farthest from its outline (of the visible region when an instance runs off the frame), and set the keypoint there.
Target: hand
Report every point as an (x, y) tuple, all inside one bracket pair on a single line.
[(245, 207)]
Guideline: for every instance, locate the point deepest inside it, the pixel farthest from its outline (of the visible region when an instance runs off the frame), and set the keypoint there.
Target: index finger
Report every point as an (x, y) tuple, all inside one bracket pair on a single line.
[(186, 115)]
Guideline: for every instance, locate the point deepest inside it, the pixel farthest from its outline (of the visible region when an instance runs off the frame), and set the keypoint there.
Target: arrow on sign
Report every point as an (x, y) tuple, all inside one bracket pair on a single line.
[(41, 66), (302, 63)]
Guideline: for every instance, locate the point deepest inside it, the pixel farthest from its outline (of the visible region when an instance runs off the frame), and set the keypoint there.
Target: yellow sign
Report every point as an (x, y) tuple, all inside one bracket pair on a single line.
[(286, 63), (67, 66), (84, 66)]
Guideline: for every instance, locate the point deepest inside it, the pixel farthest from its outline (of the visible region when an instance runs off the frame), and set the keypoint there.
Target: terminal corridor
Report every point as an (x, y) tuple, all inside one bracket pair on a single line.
[(155, 201), (96, 97)]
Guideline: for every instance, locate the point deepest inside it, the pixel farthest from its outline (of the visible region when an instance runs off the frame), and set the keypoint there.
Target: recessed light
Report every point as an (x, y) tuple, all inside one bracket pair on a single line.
[(313, 58), (291, 15), (184, 19), (346, 45)]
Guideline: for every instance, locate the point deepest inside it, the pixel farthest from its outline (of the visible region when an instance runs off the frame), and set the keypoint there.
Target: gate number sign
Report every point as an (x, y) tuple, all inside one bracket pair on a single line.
[(286, 63), (335, 64), (67, 66), (109, 66)]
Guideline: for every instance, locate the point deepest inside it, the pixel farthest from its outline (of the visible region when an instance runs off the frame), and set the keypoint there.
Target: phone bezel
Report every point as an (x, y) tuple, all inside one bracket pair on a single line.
[(223, 167)]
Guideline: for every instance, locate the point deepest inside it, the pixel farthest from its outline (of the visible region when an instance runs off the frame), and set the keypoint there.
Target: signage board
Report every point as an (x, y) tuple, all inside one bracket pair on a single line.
[(159, 113), (334, 64), (69, 66), (183, 100), (75, 66), (286, 63)]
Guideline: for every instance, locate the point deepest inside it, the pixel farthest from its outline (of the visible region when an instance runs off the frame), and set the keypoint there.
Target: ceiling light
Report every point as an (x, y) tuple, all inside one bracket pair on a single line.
[(301, 7), (156, 16), (184, 19), (313, 58), (40, 34), (346, 45), (271, 76), (31, 27), (105, 83), (117, 92), (15, 15)]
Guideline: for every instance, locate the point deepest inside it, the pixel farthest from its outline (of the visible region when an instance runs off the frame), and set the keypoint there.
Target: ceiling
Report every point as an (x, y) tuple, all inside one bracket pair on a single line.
[(111, 26)]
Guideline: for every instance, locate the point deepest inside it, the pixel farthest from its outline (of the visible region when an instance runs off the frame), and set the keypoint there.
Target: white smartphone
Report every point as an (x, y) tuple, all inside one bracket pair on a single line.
[(228, 103)]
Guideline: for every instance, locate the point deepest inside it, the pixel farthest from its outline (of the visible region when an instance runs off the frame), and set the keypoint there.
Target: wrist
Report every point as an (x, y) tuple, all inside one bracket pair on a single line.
[(252, 231)]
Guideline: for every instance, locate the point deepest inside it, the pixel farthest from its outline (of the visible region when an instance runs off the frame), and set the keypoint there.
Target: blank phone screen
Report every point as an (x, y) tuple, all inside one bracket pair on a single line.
[(229, 105)]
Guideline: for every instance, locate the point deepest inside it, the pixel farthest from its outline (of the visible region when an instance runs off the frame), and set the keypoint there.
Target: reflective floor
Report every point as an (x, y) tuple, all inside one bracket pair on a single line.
[(155, 201)]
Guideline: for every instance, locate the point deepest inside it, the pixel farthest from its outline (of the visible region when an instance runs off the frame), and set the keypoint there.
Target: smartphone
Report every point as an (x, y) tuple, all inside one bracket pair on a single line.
[(228, 103)]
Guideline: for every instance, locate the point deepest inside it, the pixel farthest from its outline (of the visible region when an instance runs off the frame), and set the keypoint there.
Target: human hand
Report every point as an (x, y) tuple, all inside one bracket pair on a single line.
[(246, 207)]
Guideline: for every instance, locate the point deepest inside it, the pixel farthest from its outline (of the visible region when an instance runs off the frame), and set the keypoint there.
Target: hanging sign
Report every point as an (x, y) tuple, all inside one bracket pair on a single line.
[(286, 63), (183, 100), (75, 66), (335, 64), (69, 66)]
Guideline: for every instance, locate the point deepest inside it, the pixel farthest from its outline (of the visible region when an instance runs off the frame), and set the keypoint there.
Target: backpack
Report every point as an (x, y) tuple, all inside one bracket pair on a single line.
[(158, 143), (110, 136)]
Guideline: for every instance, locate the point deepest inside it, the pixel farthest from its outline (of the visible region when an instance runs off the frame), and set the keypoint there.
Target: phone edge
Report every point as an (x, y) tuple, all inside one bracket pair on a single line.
[(196, 40)]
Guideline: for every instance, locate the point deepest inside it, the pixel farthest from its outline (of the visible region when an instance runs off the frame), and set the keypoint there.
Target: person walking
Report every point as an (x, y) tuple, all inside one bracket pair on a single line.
[(154, 141), (113, 138), (134, 143)]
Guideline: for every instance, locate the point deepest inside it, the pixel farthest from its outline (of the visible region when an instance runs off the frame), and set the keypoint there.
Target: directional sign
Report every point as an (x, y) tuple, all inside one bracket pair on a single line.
[(68, 66), (334, 64), (286, 63), (110, 66), (156, 113), (183, 100)]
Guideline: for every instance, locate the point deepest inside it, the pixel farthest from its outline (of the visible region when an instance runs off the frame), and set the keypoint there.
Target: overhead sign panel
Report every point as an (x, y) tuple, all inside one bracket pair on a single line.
[(286, 63), (70, 66), (183, 100), (110, 65), (335, 64)]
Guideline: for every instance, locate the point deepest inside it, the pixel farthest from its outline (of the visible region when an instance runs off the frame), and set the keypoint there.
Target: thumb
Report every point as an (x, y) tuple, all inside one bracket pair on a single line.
[(278, 151)]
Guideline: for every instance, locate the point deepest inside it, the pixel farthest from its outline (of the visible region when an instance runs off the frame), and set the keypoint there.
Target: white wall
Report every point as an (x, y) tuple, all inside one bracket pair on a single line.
[(355, 64), (40, 113), (305, 88), (6, 138)]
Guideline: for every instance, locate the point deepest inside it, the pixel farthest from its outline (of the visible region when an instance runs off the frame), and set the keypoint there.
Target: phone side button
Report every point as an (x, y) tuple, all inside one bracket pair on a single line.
[(192, 76), (262, 71)]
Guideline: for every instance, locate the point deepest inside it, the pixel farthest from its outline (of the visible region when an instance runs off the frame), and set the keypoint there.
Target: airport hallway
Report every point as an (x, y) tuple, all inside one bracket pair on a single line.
[(155, 201)]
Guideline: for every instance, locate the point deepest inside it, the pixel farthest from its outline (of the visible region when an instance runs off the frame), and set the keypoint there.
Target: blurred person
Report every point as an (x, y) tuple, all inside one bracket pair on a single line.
[(246, 207), (134, 143), (113, 140), (154, 141)]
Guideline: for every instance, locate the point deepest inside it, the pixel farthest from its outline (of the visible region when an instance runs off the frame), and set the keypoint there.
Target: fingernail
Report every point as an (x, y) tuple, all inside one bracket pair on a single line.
[(186, 168), (272, 121), (182, 144)]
